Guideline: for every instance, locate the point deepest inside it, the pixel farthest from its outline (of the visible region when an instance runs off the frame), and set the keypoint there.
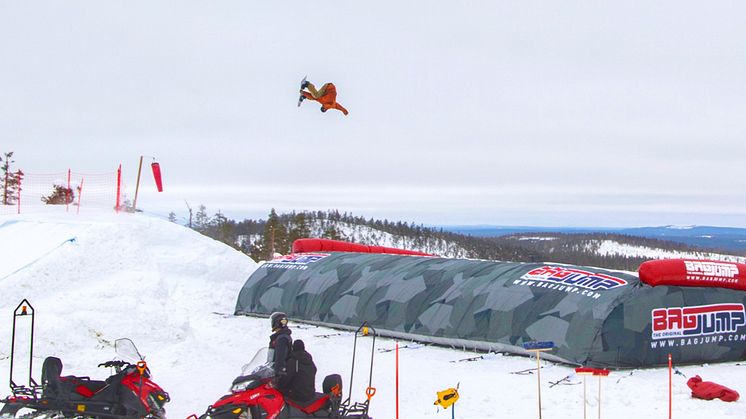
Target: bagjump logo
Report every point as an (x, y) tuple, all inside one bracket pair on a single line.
[(295, 261), (697, 321), (575, 277), (571, 280), (700, 271)]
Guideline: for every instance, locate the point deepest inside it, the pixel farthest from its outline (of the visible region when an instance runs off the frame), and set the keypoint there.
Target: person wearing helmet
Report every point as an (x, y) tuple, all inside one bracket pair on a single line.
[(280, 345), (326, 96)]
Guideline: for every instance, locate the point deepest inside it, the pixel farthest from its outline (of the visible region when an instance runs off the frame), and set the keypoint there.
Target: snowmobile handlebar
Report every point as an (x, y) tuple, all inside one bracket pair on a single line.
[(114, 364)]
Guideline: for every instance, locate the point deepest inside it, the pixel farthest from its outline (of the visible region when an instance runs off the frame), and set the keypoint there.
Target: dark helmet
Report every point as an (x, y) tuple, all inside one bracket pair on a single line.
[(323, 109), (278, 320)]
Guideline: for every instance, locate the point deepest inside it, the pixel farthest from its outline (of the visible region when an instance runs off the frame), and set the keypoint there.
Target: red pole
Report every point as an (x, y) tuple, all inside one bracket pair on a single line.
[(397, 380), (670, 386), (19, 194), (119, 186), (67, 192)]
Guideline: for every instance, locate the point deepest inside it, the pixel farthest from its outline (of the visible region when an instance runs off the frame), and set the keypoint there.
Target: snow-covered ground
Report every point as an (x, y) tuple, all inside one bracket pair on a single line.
[(611, 247), (95, 277)]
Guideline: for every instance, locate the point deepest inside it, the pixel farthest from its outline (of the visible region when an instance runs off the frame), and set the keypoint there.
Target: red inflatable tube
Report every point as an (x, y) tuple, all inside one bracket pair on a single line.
[(694, 273), (326, 245)]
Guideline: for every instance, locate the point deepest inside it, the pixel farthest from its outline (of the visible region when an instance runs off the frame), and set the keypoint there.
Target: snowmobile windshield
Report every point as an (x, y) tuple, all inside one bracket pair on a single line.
[(127, 351), (259, 365)]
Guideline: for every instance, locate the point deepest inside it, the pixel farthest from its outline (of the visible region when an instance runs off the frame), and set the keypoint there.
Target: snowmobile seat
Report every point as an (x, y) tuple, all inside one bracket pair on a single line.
[(51, 370), (332, 385), (57, 386), (319, 402)]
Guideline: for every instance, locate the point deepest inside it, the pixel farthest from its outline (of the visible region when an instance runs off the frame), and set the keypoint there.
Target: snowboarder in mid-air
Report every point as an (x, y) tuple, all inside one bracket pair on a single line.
[(326, 96)]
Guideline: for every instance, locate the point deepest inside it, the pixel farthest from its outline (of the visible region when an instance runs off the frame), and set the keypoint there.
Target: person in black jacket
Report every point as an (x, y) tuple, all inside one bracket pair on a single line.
[(280, 344), (301, 374)]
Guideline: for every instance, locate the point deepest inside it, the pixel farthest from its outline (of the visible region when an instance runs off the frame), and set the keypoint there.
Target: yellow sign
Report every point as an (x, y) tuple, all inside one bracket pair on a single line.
[(81, 408), (446, 398)]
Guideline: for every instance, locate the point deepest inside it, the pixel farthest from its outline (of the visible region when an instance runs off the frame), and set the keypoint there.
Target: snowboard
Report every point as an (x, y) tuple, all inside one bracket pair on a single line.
[(300, 98)]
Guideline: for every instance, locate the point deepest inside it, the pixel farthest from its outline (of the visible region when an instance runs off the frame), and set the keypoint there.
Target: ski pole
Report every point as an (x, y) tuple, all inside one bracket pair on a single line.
[(538, 348), (601, 374), (397, 380), (584, 372)]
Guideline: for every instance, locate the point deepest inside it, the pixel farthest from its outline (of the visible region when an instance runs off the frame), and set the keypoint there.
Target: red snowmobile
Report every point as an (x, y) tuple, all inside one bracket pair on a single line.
[(128, 394), (253, 394)]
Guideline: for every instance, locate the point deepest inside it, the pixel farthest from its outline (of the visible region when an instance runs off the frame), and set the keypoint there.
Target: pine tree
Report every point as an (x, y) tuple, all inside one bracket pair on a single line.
[(275, 236), (256, 251), (10, 181), (300, 228), (201, 220), (331, 232), (223, 229), (172, 217)]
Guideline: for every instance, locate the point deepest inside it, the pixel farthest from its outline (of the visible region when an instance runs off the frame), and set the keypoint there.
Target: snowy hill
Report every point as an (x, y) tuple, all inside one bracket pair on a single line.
[(358, 233), (732, 239), (93, 278), (611, 247)]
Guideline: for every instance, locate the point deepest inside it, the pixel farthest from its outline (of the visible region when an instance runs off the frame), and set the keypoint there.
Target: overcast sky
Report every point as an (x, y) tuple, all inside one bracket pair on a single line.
[(542, 113)]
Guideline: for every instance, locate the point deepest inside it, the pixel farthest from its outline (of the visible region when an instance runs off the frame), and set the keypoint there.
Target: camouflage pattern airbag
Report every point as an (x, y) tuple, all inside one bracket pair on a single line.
[(595, 317)]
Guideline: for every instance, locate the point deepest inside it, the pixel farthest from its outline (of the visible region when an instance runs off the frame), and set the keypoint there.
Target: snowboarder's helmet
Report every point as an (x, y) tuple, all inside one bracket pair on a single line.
[(323, 109), (278, 320)]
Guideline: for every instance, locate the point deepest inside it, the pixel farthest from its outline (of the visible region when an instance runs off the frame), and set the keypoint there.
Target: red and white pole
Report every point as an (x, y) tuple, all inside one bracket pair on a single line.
[(670, 386), (19, 193), (119, 187), (397, 380), (67, 192)]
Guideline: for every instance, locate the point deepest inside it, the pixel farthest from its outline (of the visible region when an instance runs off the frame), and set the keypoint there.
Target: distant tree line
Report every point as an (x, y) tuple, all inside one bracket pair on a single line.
[(277, 232), (582, 248)]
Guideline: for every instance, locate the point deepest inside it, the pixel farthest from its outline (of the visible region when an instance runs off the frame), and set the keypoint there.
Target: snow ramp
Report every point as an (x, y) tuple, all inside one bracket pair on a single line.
[(39, 240)]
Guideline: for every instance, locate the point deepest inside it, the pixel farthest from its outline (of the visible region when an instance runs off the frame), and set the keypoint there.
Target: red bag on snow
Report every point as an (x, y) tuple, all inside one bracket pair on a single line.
[(708, 390)]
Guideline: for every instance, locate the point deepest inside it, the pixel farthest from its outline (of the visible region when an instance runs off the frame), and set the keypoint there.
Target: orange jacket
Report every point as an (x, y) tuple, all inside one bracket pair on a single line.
[(328, 99)]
